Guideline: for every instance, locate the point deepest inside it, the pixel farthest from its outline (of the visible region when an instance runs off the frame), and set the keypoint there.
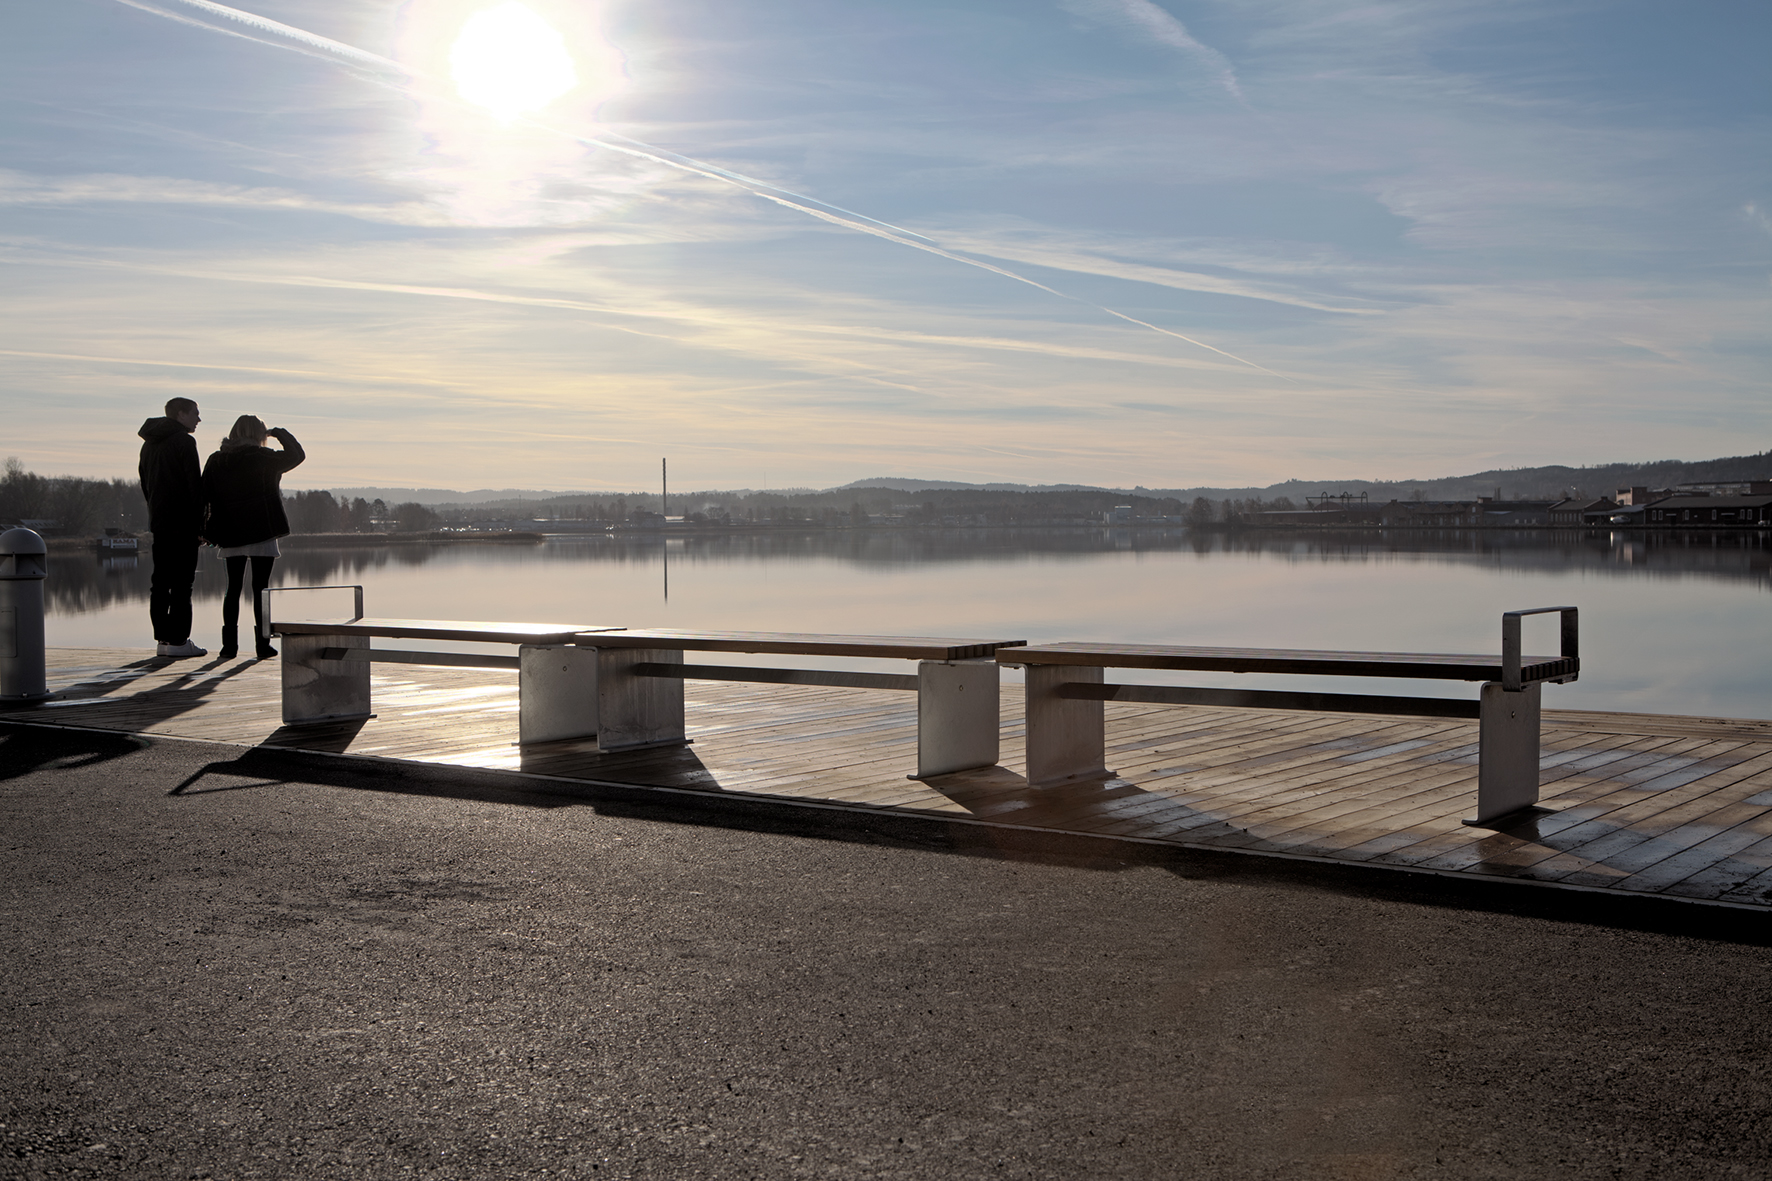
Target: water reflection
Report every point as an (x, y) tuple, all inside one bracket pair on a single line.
[(81, 583)]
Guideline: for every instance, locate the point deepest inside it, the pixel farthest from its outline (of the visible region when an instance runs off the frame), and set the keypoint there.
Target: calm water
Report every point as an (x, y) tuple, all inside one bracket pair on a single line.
[(1671, 624)]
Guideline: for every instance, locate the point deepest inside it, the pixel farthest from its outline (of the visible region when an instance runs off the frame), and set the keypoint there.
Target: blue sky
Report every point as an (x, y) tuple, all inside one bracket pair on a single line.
[(1384, 240)]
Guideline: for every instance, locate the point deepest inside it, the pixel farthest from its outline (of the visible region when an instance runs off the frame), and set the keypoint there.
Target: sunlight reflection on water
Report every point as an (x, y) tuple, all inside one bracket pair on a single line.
[(1669, 625)]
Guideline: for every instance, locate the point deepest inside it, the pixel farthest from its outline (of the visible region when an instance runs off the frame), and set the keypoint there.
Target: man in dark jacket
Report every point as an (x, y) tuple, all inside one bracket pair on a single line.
[(172, 482)]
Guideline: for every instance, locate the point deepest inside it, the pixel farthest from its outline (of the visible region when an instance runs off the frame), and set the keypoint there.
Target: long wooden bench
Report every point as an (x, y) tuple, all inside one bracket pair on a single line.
[(1066, 691), (640, 675), (326, 666)]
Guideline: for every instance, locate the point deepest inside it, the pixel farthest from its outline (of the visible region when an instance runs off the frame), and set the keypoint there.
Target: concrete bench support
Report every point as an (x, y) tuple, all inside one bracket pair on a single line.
[(1066, 737), (556, 693), (959, 714), (1507, 762), (319, 690), (637, 711)]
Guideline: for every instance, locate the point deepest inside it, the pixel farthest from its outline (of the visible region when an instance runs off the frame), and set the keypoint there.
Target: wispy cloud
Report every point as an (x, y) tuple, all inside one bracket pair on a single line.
[(1757, 217), (1103, 255), (20, 189), (680, 320), (1149, 20)]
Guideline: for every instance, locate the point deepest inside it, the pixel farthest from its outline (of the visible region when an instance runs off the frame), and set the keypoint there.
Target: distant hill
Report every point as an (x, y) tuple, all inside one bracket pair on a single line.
[(905, 484), (1526, 483), (449, 495)]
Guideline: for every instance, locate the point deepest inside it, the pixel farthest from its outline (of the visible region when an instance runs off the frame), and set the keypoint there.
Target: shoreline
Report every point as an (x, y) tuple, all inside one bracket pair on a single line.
[(90, 544)]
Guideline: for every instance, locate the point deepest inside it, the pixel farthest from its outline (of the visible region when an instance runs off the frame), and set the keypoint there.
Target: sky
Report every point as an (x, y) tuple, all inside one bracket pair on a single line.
[(480, 244)]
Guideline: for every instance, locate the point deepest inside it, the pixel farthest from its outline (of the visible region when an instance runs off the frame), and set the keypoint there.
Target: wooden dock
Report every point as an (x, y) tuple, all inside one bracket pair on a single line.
[(1675, 807)]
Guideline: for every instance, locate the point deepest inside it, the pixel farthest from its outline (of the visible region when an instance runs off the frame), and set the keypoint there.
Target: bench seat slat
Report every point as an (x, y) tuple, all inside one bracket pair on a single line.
[(1352, 703), (439, 659), (469, 631), (801, 644), (777, 676), (1282, 660)]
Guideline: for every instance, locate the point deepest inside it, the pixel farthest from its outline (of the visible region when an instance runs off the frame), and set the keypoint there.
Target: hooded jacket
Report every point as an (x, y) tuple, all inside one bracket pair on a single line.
[(170, 478), (242, 483)]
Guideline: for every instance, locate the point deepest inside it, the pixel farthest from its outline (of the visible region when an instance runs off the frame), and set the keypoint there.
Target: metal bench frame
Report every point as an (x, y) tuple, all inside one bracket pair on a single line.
[(640, 677), (1066, 692)]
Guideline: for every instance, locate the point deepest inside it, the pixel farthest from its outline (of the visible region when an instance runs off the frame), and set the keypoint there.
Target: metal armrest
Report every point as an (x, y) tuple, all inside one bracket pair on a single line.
[(265, 601), (1510, 641)]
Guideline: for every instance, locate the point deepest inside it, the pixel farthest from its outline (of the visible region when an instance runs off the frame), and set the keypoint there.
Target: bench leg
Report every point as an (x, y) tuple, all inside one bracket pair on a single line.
[(959, 715), (636, 711), (556, 693), (1066, 739), (316, 690), (1507, 759)]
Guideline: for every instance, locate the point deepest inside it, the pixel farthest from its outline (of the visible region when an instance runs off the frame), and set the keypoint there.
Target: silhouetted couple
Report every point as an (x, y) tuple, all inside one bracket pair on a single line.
[(235, 502)]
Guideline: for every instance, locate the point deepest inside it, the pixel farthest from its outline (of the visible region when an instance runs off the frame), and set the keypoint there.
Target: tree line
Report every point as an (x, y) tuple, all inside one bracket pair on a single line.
[(79, 506), (321, 512), (75, 503)]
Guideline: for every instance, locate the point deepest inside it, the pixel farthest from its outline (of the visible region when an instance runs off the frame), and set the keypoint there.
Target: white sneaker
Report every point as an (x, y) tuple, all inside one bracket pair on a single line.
[(185, 649)]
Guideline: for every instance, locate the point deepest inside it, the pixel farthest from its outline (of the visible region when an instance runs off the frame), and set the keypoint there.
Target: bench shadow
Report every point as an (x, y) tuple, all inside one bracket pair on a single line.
[(163, 703), (27, 749), (328, 737), (1002, 796), (675, 766), (268, 766)]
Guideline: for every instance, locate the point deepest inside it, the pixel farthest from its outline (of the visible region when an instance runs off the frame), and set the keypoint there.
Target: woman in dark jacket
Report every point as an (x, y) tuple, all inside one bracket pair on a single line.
[(242, 483)]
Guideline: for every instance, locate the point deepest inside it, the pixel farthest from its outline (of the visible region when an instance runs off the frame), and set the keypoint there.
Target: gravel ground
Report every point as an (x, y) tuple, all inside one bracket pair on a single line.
[(234, 964)]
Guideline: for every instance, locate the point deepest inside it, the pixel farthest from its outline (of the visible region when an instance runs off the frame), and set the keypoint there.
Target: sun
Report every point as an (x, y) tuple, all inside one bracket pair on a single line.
[(511, 61)]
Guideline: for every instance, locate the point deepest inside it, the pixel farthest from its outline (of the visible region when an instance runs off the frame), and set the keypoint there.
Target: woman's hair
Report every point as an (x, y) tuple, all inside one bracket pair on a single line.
[(249, 431)]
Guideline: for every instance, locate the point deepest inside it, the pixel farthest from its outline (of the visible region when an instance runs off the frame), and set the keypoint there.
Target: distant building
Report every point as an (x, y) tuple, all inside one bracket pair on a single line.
[(1705, 512), (1637, 495), (1485, 512), (1582, 511)]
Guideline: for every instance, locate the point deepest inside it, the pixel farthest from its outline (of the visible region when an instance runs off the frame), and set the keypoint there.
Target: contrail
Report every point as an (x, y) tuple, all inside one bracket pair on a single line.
[(314, 45), (265, 25), (329, 50)]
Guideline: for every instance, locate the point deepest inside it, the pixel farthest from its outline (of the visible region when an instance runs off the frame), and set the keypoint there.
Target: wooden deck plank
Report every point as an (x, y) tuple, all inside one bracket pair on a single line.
[(1756, 890), (1547, 829), (1427, 821), (1736, 872), (1645, 819)]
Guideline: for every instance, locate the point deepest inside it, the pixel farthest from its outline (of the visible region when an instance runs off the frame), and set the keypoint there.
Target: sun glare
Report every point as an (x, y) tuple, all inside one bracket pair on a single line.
[(511, 61)]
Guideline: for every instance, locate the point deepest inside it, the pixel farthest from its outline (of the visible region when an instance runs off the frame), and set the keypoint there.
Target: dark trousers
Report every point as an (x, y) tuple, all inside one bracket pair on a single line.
[(169, 591), (261, 578)]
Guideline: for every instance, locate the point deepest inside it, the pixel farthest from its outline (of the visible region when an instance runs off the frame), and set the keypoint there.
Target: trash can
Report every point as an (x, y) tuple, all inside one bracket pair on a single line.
[(24, 563)]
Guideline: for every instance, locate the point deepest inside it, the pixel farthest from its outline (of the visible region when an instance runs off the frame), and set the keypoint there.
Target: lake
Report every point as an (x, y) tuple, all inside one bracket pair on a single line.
[(1671, 623)]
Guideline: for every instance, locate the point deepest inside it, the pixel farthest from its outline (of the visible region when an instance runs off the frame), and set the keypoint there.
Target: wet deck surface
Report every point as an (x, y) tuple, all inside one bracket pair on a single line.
[(1671, 806)]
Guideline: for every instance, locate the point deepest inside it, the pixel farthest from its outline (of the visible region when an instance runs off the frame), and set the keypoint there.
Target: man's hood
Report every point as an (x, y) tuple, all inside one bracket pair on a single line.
[(158, 430)]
